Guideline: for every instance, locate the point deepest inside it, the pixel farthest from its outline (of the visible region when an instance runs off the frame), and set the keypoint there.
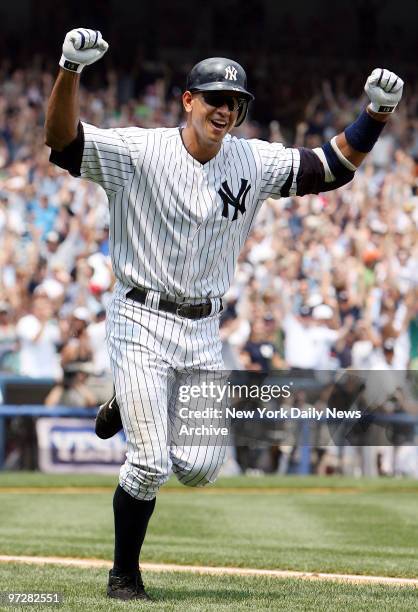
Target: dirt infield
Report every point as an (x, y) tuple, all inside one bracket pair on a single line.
[(197, 569)]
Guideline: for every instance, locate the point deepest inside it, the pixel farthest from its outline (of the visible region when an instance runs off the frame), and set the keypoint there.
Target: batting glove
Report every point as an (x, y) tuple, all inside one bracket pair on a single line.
[(384, 89), (81, 48)]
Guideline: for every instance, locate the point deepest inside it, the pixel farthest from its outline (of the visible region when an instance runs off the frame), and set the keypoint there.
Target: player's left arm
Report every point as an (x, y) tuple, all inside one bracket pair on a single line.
[(344, 153)]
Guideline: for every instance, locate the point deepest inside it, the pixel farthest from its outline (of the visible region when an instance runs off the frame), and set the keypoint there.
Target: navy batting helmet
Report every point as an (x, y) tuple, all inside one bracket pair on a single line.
[(221, 74)]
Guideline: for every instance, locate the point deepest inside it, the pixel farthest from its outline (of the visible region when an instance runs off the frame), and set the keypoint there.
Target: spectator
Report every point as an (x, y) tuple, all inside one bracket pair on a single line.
[(73, 390), (8, 339), (39, 337), (353, 250), (77, 347), (258, 353)]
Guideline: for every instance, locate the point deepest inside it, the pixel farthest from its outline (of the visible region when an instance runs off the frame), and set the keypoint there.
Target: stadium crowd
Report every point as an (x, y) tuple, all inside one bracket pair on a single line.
[(335, 273), (324, 281)]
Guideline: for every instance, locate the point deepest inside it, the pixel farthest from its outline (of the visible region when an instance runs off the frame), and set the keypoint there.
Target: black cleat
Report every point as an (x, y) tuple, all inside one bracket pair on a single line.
[(108, 421), (126, 587)]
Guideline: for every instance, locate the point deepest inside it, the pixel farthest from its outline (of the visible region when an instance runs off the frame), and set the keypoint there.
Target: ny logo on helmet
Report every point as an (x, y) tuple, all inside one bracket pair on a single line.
[(229, 199), (231, 73)]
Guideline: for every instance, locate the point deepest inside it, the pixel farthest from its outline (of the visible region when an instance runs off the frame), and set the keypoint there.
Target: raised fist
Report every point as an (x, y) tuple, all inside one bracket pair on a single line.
[(384, 89), (82, 47)]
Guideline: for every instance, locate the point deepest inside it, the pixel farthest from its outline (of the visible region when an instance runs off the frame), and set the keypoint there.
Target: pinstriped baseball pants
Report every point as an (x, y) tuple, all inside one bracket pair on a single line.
[(152, 353)]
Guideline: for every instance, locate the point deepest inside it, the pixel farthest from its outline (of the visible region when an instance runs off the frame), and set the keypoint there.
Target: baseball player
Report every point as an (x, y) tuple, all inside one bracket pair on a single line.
[(182, 202)]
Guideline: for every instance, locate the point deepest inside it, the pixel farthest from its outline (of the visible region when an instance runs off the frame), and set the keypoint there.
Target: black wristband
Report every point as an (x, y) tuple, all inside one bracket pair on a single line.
[(70, 65), (364, 132)]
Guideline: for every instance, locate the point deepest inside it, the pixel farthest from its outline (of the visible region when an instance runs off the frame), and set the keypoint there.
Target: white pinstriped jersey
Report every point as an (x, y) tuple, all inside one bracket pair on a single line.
[(177, 226), (168, 232)]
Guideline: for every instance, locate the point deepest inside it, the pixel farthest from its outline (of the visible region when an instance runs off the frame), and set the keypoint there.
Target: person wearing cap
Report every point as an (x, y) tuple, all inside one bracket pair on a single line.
[(182, 203), (325, 335), (310, 328)]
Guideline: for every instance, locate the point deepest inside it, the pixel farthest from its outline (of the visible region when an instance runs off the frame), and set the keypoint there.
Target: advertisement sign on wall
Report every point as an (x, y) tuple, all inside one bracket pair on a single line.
[(70, 445)]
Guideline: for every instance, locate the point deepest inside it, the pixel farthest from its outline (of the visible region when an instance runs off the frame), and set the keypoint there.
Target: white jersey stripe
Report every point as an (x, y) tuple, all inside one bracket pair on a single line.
[(176, 229), (177, 226)]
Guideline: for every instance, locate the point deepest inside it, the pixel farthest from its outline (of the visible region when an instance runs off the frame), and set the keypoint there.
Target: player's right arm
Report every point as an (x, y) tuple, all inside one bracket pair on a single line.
[(102, 155), (81, 47), (63, 111)]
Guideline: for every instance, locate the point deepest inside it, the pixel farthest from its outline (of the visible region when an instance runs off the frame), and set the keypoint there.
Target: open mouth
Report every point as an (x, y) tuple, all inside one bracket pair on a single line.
[(219, 125)]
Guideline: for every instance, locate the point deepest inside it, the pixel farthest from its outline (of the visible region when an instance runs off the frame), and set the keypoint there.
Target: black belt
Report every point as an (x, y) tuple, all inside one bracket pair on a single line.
[(185, 310)]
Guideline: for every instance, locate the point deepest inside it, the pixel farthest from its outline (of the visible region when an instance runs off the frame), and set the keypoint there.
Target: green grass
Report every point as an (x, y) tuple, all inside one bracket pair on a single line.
[(308, 524), (36, 479), (369, 531), (84, 590)]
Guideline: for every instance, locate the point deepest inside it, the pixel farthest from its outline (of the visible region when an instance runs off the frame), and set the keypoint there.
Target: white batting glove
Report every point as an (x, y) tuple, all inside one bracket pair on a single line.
[(384, 89), (81, 48)]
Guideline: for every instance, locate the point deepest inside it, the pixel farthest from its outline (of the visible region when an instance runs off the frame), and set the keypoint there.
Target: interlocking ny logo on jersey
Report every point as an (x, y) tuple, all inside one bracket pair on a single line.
[(231, 73), (229, 199)]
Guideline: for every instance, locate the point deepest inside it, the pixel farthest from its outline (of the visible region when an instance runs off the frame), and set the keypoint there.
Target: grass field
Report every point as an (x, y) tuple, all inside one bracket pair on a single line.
[(83, 590), (309, 524)]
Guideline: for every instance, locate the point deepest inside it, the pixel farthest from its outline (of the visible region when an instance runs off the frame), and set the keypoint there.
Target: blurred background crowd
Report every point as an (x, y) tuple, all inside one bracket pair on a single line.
[(324, 282)]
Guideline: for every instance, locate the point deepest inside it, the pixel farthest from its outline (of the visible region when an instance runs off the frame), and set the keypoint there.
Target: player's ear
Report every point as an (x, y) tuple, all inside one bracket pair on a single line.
[(187, 101)]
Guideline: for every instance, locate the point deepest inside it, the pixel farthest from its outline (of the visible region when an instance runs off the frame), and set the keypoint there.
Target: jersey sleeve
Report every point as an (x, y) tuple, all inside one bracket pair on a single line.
[(289, 171), (105, 156)]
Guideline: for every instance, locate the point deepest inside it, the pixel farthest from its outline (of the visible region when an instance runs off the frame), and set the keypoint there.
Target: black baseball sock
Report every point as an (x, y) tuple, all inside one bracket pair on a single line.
[(131, 522)]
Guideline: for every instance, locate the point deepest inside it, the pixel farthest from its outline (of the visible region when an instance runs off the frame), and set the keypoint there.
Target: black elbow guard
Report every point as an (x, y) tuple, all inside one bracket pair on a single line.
[(70, 158)]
